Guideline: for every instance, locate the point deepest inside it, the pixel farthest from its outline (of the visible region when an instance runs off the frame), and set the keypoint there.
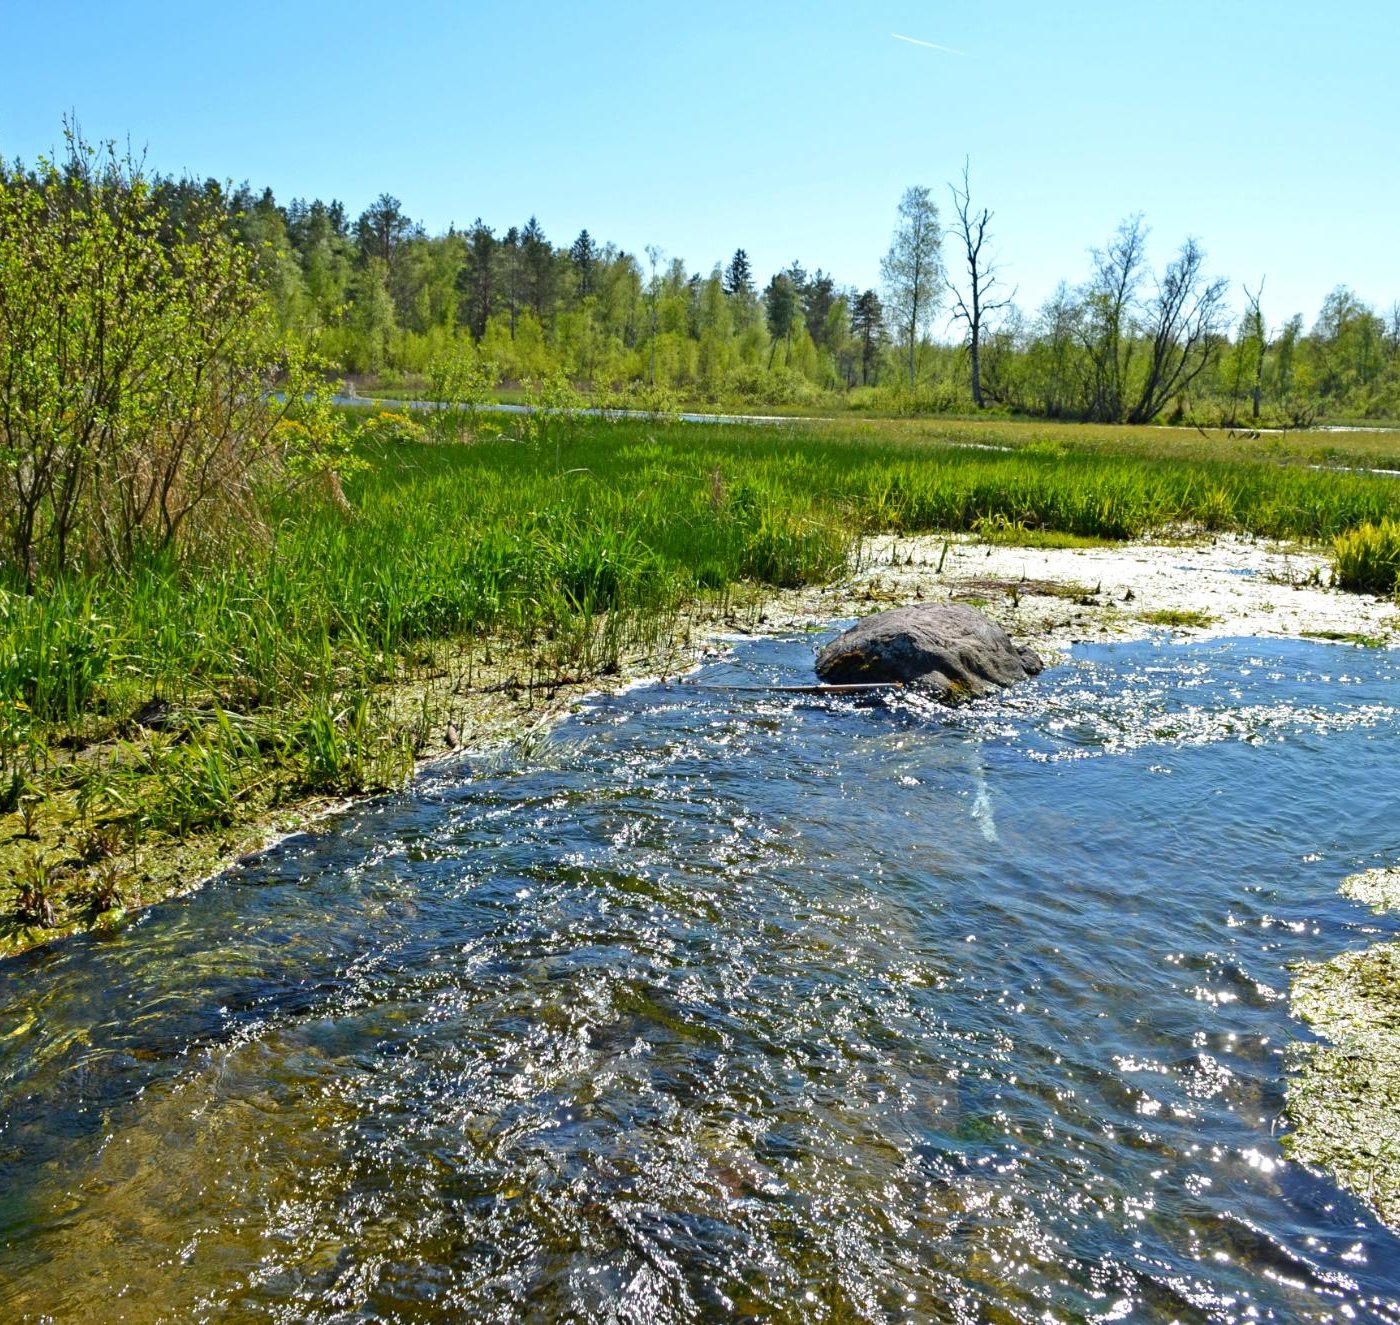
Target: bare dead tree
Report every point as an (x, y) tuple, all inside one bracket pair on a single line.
[(1183, 323), (1254, 319), (972, 305), (1106, 328)]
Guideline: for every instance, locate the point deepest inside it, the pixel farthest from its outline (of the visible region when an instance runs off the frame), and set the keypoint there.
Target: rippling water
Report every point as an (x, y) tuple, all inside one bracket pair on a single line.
[(740, 1005)]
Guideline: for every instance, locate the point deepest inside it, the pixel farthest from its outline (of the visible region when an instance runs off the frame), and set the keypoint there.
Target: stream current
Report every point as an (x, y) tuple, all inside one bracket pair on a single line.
[(741, 1005)]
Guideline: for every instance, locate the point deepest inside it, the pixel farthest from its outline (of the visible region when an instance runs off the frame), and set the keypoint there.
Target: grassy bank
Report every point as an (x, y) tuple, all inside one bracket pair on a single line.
[(319, 654)]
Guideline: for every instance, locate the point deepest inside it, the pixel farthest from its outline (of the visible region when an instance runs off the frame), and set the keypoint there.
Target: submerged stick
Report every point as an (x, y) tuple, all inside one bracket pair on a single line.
[(818, 689)]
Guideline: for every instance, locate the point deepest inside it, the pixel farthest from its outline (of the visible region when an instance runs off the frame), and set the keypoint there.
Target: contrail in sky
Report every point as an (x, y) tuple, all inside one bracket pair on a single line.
[(932, 45)]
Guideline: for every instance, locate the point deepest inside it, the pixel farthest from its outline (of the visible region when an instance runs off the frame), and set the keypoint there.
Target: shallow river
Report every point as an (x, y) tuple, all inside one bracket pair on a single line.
[(738, 1005)]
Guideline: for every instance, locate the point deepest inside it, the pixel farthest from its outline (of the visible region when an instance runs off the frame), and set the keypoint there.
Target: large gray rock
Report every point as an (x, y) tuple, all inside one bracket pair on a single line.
[(949, 650)]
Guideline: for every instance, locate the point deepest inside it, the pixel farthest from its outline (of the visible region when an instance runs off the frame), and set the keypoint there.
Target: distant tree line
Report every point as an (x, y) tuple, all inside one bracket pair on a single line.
[(380, 297)]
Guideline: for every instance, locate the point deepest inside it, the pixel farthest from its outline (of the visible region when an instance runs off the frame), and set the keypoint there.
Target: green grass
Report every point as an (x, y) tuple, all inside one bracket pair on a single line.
[(1341, 451), (1018, 535)]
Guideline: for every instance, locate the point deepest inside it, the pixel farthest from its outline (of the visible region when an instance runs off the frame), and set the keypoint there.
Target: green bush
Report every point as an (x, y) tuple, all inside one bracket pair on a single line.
[(145, 392), (750, 384)]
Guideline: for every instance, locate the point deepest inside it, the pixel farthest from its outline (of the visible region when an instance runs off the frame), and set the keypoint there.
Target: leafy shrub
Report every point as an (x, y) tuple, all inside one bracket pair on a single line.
[(459, 383), (660, 402), (750, 384), (553, 414), (101, 457)]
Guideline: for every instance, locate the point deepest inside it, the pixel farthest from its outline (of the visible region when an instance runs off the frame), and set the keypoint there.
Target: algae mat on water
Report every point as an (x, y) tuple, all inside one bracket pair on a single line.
[(1345, 1102)]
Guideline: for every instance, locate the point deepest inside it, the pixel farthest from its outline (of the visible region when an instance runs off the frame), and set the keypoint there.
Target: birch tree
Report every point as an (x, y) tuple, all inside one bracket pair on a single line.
[(913, 268)]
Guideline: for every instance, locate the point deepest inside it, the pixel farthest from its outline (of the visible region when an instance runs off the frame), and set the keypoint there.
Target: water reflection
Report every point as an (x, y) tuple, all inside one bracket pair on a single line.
[(740, 1005)]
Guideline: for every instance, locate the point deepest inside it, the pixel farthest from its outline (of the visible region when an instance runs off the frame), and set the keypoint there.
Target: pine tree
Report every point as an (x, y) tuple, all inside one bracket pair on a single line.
[(476, 282), (738, 276), (510, 251), (782, 305), (584, 256), (817, 299), (382, 229), (538, 257), (868, 327)]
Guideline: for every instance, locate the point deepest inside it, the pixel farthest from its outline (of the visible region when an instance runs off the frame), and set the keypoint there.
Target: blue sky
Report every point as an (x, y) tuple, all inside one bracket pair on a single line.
[(1268, 130)]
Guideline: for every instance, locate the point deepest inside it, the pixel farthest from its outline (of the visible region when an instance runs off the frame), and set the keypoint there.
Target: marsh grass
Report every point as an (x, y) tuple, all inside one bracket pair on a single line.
[(1302, 448), (561, 554), (1367, 558), (1017, 535), (1190, 617)]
